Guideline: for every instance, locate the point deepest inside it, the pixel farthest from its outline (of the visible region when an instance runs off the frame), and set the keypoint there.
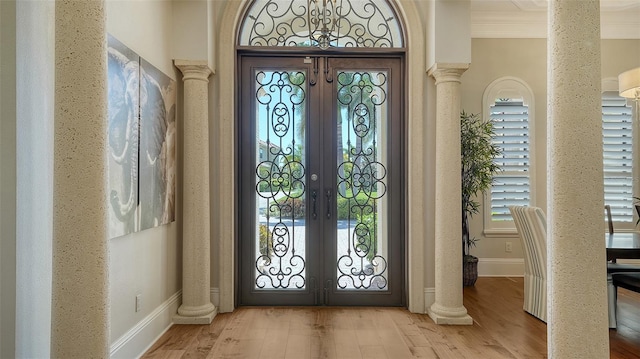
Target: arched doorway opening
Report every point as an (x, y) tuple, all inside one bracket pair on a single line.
[(413, 223), (320, 146)]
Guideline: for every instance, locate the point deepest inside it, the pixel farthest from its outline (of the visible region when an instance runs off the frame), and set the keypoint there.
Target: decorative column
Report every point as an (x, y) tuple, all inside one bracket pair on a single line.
[(80, 288), (196, 305), (577, 324), (448, 307)]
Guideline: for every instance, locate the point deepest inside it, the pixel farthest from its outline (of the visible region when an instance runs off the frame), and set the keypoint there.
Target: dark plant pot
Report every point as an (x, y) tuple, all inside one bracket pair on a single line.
[(469, 270)]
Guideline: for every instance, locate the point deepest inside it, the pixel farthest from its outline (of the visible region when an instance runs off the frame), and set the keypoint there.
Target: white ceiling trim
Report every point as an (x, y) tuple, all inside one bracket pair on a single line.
[(605, 5), (508, 25), (531, 5), (520, 24)]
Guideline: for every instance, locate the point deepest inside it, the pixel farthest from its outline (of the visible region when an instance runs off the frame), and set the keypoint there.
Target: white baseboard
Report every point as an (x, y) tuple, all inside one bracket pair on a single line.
[(429, 298), (500, 267), (215, 297), (139, 339)]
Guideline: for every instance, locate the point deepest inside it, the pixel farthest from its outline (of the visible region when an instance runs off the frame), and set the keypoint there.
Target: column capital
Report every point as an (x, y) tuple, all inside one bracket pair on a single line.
[(447, 72), (193, 69)]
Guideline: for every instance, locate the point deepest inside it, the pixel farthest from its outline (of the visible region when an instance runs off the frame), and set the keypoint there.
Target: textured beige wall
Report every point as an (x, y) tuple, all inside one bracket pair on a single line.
[(575, 185), (79, 305), (526, 59)]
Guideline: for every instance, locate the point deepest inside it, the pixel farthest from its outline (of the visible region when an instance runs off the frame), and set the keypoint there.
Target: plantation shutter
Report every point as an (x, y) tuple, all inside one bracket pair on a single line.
[(617, 156), (511, 186)]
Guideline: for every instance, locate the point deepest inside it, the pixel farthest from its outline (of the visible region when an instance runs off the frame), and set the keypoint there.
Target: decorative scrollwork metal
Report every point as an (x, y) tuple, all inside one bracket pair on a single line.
[(361, 180), (359, 23), (280, 99)]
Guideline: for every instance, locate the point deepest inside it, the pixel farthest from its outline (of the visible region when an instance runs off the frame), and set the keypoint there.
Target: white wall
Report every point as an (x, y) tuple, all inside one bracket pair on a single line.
[(449, 23), (190, 22), (146, 263), (526, 59), (145, 26), (7, 178), (34, 90)]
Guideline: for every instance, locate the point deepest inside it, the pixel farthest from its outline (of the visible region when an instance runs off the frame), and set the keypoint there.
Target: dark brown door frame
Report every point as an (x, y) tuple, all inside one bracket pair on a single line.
[(316, 292)]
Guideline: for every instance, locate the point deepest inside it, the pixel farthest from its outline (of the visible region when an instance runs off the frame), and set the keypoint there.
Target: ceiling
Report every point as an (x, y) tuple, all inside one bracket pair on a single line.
[(620, 19)]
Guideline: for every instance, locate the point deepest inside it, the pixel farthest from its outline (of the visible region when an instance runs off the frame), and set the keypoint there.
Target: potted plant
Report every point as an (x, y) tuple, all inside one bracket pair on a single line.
[(478, 169)]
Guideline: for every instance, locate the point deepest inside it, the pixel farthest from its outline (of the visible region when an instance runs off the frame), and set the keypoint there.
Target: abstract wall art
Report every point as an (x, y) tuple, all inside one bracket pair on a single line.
[(157, 147), (142, 143)]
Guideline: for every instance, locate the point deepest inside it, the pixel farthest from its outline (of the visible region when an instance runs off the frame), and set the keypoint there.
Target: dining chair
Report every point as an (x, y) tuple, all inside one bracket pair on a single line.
[(531, 224), (607, 209), (612, 268), (626, 280)]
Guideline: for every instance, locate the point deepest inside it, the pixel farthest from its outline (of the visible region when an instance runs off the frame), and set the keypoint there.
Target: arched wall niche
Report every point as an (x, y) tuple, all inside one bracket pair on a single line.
[(418, 224)]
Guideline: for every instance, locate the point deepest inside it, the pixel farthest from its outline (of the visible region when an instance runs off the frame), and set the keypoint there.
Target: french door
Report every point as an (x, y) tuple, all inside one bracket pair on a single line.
[(320, 192)]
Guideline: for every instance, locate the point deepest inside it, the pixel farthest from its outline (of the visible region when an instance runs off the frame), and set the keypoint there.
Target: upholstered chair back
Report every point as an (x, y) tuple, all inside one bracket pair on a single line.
[(531, 224)]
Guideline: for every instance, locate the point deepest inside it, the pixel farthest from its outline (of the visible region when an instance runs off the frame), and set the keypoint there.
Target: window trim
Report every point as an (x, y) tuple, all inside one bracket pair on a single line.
[(509, 87)]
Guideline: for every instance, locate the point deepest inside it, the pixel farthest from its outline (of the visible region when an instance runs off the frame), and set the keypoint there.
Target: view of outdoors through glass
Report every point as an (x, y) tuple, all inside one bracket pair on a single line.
[(281, 180)]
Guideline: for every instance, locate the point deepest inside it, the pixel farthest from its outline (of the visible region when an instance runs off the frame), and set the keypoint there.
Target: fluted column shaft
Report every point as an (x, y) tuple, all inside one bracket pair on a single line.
[(196, 305), (448, 307), (80, 297), (577, 305)]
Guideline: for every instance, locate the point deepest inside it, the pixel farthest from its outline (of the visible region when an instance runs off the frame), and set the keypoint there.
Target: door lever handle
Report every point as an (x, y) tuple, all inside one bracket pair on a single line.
[(314, 200), (328, 195)]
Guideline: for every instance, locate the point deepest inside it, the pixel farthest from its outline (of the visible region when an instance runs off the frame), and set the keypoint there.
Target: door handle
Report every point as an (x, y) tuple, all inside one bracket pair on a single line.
[(314, 200), (328, 195)]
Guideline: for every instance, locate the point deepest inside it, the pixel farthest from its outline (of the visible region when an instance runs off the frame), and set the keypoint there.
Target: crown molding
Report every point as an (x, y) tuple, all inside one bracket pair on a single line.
[(513, 24), (530, 24), (531, 5), (541, 5)]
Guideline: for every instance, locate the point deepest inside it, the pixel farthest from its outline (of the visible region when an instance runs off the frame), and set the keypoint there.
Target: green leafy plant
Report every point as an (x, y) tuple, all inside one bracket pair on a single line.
[(291, 207), (370, 242), (478, 167), (265, 238)]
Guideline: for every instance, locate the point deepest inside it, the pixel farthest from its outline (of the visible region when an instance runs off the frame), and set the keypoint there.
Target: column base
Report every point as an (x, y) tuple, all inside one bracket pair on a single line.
[(200, 318), (449, 316)]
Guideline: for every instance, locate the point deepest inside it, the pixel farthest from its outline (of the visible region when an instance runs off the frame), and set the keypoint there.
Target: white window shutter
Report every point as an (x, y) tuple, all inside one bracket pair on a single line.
[(617, 139), (512, 185)]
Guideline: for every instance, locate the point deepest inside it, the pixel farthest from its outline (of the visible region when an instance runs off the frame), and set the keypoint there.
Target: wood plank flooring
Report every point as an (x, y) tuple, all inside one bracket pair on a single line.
[(501, 330)]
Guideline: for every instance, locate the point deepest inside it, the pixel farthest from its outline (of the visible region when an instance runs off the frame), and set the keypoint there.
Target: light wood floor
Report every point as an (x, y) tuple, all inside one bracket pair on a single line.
[(501, 330)]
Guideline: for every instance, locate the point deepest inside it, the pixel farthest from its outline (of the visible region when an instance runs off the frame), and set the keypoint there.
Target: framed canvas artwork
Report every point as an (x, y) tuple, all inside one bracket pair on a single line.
[(141, 141), (157, 147), (123, 137)]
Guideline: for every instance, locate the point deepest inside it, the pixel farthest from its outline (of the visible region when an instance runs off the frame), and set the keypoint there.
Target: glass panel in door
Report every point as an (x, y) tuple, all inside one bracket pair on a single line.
[(280, 179), (362, 204), (364, 250), (320, 190), (274, 245)]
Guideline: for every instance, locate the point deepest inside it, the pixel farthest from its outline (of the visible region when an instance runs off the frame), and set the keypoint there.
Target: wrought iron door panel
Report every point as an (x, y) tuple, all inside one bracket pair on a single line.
[(361, 180), (320, 190), (280, 179), (274, 246), (365, 249)]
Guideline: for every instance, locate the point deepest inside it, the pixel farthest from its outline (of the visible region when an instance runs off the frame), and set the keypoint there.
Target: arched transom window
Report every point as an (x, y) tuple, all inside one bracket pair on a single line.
[(321, 23)]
